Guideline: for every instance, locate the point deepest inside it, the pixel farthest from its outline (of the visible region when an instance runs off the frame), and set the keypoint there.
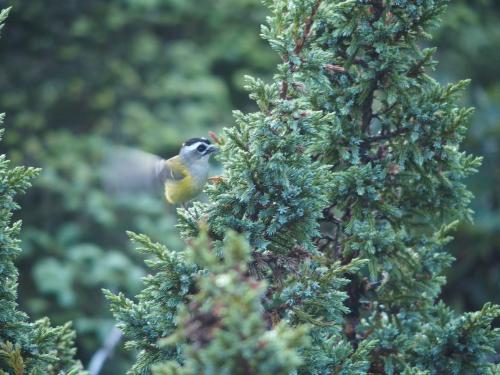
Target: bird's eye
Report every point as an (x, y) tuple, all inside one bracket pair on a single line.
[(201, 148)]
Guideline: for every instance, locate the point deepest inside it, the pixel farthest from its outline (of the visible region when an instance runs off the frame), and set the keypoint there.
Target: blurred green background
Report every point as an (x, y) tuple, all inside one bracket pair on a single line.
[(79, 76)]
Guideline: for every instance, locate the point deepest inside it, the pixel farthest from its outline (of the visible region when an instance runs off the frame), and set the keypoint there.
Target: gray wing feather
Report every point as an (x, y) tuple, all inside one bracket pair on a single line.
[(127, 170)]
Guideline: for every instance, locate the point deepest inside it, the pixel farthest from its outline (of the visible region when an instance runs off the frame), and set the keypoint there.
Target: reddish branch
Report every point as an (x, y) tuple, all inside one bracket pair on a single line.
[(307, 29), (299, 45), (335, 68)]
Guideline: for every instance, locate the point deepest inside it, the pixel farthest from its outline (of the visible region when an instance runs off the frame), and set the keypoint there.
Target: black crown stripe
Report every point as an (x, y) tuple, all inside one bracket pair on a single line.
[(191, 141)]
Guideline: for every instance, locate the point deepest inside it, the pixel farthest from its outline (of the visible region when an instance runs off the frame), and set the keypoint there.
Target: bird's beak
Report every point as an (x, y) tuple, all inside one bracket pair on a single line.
[(212, 150)]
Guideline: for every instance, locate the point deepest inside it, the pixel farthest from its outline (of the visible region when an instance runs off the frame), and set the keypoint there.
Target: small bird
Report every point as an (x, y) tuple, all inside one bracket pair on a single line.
[(182, 177)]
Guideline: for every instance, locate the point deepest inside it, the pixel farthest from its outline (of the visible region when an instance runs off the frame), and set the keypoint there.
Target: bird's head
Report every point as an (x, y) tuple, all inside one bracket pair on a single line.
[(196, 149)]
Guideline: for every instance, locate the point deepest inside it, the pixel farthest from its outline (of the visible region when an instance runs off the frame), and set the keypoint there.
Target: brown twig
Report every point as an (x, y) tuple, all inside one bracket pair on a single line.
[(335, 68), (299, 45)]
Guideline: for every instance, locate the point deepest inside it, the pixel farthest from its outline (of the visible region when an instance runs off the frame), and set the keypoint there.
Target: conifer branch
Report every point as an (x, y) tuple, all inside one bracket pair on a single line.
[(307, 28), (299, 45)]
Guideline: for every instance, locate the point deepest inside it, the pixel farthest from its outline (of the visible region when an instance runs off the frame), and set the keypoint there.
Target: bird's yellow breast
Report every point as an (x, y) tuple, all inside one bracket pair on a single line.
[(186, 183), (178, 191)]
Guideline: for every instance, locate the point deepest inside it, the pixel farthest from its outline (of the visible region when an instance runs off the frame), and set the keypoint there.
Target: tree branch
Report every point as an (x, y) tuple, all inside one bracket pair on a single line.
[(307, 29), (299, 45)]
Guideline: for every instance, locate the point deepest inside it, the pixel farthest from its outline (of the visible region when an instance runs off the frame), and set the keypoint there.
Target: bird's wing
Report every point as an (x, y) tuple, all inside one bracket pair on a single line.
[(171, 170), (127, 170)]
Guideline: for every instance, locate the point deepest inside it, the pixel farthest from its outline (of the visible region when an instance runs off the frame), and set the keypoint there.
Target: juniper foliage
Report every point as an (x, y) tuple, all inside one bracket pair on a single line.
[(25, 347), (151, 318), (346, 183), (222, 323)]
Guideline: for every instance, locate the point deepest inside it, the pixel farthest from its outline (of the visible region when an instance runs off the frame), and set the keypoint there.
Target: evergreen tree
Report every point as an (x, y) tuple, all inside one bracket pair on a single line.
[(221, 307), (25, 347), (223, 321), (346, 184), (144, 323)]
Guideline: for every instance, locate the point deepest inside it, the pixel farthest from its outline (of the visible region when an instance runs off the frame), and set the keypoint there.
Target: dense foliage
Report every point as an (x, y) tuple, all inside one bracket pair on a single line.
[(151, 73), (346, 184)]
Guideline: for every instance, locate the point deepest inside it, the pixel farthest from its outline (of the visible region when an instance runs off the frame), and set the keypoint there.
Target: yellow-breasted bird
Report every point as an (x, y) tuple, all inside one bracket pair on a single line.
[(182, 177)]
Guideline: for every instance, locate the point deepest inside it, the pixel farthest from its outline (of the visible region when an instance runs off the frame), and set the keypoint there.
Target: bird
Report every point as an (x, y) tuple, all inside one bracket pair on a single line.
[(182, 177)]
